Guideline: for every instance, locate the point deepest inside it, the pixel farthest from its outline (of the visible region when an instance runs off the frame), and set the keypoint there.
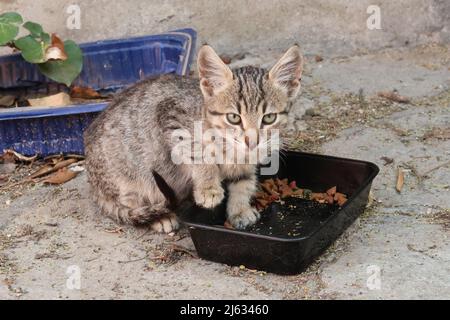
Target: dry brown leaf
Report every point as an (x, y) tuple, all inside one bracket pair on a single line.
[(17, 156), (7, 101), (64, 163), (400, 180), (56, 50), (8, 158), (42, 171), (84, 93), (393, 96), (56, 100), (49, 168), (228, 225), (61, 176)]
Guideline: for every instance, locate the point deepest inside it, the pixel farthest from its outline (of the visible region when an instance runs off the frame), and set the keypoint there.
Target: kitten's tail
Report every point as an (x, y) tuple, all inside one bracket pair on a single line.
[(166, 190)]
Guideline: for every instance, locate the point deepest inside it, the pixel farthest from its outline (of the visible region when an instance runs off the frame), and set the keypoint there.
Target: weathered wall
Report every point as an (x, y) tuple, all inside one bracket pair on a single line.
[(320, 26)]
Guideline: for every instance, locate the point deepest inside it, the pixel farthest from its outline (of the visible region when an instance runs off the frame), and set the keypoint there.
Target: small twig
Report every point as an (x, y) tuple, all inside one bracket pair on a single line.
[(23, 181), (435, 168), (116, 230), (143, 234), (135, 260), (176, 247), (414, 171)]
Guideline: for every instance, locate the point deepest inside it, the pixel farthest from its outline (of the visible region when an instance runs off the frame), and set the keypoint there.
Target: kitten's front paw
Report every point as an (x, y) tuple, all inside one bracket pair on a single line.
[(244, 217), (209, 197)]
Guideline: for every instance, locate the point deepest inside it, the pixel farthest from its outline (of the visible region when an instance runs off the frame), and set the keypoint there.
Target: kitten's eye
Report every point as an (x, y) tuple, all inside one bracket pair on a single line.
[(269, 118), (233, 118)]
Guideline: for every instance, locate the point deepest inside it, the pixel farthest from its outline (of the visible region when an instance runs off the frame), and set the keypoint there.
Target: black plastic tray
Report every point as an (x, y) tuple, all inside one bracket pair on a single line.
[(282, 253)]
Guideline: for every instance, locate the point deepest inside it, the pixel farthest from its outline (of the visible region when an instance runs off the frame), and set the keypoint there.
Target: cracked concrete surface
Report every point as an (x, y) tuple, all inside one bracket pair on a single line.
[(404, 236)]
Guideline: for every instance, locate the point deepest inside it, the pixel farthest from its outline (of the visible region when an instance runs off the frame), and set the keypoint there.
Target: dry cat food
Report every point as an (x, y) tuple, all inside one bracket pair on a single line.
[(290, 199), (277, 189)]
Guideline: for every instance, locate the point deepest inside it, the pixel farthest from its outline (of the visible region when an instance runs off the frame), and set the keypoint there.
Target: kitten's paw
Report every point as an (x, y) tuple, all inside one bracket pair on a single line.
[(209, 197), (165, 224), (244, 217)]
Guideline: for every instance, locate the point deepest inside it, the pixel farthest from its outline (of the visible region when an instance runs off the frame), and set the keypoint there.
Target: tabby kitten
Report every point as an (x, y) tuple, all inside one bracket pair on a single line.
[(134, 137)]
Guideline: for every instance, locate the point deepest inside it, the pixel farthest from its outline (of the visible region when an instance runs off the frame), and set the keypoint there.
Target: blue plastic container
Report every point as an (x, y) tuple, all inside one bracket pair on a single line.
[(111, 65)]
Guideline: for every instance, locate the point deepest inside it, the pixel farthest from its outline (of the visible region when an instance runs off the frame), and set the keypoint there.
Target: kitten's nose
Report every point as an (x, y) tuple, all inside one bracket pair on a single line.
[(251, 142)]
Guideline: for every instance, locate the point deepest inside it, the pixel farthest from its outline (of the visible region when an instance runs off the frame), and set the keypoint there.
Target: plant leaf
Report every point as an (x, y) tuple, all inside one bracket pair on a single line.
[(64, 71), (34, 28), (32, 50), (9, 26), (46, 38)]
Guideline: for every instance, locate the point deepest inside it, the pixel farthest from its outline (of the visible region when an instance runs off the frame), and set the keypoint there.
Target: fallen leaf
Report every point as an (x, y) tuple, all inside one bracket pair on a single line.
[(394, 96), (42, 171), (64, 163), (18, 156), (400, 180), (56, 100), (84, 93), (318, 58), (61, 176), (49, 168), (228, 225), (387, 160), (7, 101), (56, 50), (8, 157)]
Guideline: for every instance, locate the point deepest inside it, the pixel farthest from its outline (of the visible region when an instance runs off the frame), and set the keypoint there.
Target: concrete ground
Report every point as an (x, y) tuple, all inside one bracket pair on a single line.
[(398, 249)]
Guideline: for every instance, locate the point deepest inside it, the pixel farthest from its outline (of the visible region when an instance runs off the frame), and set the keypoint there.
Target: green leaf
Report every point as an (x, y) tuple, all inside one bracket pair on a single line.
[(32, 50), (9, 26), (46, 38), (11, 17), (64, 71), (34, 28)]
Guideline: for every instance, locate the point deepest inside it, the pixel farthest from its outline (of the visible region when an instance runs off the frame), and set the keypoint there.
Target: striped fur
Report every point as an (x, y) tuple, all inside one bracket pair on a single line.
[(132, 139)]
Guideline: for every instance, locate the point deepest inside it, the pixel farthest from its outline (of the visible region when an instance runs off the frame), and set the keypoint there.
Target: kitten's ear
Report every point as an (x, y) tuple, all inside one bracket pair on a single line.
[(215, 76), (286, 73)]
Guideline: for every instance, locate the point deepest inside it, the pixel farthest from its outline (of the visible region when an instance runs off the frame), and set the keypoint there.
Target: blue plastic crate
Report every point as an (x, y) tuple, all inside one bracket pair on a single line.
[(111, 64)]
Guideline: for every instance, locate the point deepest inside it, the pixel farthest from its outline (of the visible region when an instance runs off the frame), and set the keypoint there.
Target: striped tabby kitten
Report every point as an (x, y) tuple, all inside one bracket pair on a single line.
[(133, 138)]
